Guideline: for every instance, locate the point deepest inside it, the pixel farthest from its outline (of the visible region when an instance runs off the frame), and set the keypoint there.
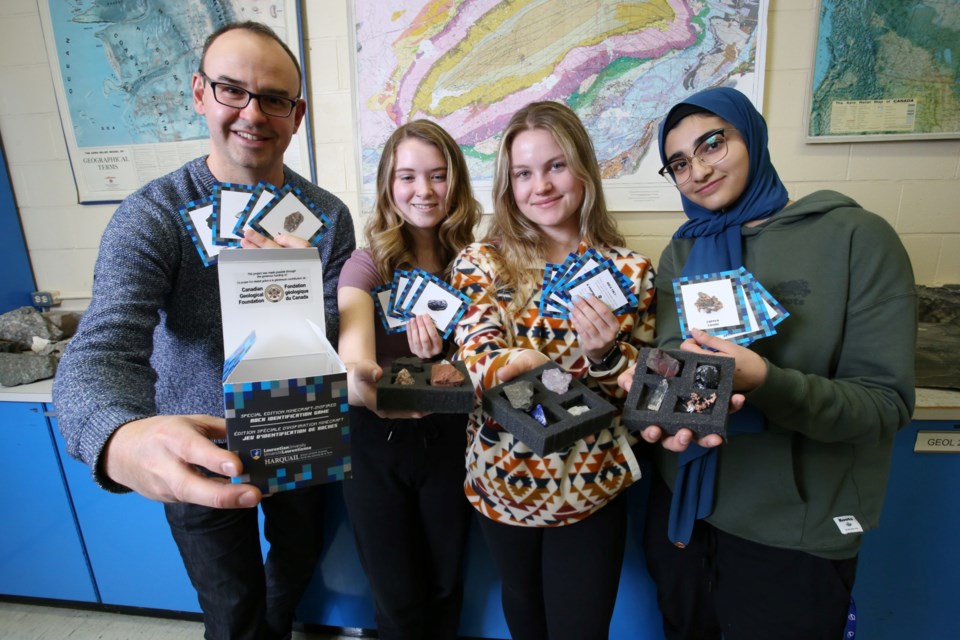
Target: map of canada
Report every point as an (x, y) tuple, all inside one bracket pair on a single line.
[(887, 67), (126, 66), (470, 64)]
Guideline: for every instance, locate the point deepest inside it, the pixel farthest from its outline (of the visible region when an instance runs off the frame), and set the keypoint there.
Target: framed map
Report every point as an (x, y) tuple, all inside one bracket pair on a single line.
[(886, 70), (470, 64), (122, 77)]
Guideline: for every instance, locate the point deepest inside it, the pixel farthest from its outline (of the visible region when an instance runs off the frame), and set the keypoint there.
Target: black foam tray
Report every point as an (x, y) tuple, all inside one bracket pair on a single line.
[(562, 429), (670, 417), (421, 396)]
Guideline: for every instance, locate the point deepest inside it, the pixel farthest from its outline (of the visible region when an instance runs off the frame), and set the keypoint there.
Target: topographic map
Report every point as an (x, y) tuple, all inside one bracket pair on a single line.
[(886, 69), (470, 64), (123, 72)]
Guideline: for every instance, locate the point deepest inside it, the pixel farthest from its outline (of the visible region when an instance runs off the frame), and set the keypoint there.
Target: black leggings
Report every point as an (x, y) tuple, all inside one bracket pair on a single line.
[(410, 520), (560, 582)]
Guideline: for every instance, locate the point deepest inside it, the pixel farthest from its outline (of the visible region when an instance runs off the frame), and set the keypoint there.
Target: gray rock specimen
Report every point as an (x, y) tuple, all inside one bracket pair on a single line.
[(23, 368), (556, 380), (520, 394), (292, 222), (21, 325)]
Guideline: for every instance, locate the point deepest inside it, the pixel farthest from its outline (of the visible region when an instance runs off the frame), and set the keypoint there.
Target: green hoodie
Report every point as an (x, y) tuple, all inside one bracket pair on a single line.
[(840, 381)]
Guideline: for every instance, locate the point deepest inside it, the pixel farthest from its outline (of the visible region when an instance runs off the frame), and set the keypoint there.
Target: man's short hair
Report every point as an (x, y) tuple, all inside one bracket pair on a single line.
[(259, 29)]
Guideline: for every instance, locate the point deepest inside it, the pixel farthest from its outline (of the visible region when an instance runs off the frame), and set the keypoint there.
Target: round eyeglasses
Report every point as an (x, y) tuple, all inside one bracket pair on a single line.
[(711, 149), (230, 95)]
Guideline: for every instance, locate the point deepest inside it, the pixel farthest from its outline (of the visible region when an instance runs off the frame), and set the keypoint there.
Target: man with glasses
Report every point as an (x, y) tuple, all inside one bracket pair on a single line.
[(139, 394)]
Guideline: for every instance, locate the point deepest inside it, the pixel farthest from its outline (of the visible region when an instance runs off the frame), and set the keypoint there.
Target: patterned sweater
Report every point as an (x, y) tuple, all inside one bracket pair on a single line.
[(506, 481)]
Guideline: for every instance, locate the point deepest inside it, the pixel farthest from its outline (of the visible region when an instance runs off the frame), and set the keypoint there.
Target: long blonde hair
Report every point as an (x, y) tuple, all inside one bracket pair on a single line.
[(520, 242), (388, 239)]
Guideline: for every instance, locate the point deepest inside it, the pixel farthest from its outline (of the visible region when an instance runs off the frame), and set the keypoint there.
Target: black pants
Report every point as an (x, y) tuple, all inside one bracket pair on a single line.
[(241, 596), (724, 584), (410, 520), (560, 582)]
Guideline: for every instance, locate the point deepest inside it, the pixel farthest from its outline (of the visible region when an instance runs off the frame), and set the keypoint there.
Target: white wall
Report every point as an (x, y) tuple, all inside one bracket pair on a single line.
[(914, 185)]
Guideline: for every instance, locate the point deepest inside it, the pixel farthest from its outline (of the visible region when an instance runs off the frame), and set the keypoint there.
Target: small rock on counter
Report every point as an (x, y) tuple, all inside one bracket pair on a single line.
[(662, 363), (444, 374), (404, 377), (556, 380), (520, 394)]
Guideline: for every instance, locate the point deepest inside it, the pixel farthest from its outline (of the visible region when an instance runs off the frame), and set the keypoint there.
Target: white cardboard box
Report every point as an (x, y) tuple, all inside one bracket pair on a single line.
[(284, 386)]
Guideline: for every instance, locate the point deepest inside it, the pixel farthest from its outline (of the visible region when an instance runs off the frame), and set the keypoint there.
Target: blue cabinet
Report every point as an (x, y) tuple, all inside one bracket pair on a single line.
[(41, 553), (909, 568), (134, 559)]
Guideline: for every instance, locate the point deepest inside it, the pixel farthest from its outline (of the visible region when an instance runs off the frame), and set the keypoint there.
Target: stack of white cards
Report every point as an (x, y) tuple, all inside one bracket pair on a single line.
[(415, 292), (587, 274), (730, 304), (219, 219)]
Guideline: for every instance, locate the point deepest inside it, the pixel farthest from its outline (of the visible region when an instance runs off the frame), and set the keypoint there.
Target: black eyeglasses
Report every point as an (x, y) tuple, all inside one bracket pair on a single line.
[(711, 149), (230, 95)]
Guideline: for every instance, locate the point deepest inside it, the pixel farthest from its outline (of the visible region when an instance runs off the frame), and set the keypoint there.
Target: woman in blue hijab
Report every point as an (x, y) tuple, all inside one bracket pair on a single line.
[(756, 535)]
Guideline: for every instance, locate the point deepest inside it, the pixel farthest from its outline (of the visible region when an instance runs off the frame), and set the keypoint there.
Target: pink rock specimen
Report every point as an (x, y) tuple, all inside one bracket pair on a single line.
[(662, 363), (556, 380)]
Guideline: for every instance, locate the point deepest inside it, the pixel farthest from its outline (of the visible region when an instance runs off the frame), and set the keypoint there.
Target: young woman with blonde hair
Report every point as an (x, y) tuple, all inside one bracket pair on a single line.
[(554, 524), (405, 500)]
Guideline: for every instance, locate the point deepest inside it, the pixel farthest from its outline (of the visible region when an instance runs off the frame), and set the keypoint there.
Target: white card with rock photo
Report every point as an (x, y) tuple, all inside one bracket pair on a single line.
[(439, 300), (291, 215)]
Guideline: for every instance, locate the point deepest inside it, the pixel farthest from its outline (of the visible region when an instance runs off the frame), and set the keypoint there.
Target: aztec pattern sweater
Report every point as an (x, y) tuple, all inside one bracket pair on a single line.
[(506, 481)]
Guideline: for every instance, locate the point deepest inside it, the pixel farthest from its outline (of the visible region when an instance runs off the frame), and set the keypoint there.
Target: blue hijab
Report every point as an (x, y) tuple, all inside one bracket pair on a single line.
[(717, 247)]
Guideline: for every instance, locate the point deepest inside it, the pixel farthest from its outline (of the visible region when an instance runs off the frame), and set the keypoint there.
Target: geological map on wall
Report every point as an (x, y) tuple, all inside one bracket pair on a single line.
[(123, 73), (887, 69), (470, 64)]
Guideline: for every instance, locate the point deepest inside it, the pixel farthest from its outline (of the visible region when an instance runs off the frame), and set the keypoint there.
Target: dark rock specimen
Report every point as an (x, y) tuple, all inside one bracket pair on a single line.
[(707, 376), (436, 305)]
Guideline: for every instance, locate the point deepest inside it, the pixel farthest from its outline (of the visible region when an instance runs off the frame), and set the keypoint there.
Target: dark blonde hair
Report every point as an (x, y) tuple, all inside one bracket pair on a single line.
[(519, 241), (387, 237)]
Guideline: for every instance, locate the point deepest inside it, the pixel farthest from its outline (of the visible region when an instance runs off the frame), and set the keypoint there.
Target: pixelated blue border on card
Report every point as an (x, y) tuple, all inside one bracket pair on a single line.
[(717, 275), (782, 313), (185, 210), (311, 207), (218, 189), (398, 275), (260, 187), (381, 312)]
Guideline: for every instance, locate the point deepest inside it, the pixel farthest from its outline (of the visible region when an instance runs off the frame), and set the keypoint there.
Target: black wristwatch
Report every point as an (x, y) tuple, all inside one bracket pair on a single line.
[(609, 361)]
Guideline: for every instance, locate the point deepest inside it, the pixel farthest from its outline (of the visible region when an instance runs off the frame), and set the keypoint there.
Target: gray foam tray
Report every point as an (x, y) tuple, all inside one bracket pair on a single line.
[(421, 395), (669, 417), (562, 429)]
